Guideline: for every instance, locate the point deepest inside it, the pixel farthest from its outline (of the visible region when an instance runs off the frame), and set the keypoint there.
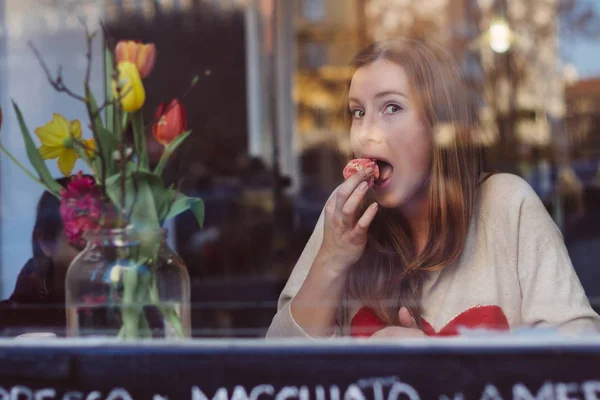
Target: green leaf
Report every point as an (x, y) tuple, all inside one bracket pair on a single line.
[(93, 105), (108, 92), (149, 187), (164, 198), (144, 209), (139, 138), (169, 149), (183, 203), (110, 143), (35, 158), (107, 141)]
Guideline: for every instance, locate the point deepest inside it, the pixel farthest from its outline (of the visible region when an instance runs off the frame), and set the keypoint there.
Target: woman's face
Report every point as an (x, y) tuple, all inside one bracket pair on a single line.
[(62, 253), (386, 126)]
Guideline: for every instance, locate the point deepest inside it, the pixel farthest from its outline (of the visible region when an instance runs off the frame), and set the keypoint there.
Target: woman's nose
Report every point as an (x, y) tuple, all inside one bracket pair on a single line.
[(369, 133)]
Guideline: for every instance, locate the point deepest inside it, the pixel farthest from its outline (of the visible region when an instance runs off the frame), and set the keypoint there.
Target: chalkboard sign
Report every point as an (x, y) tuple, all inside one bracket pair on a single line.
[(263, 371)]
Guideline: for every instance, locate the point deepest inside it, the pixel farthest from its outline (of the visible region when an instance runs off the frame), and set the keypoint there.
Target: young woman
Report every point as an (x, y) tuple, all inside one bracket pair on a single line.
[(435, 244), (38, 300)]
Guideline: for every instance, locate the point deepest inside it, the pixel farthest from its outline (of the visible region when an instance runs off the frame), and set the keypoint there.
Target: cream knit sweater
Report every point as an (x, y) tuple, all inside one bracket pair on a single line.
[(514, 259)]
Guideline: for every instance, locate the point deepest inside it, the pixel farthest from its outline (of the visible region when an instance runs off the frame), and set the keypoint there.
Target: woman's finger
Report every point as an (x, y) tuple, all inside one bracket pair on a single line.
[(362, 226), (406, 319), (346, 189), (349, 209)]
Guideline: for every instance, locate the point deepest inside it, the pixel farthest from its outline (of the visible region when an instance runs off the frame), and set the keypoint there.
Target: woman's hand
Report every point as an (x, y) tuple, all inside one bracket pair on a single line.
[(345, 237), (408, 327)]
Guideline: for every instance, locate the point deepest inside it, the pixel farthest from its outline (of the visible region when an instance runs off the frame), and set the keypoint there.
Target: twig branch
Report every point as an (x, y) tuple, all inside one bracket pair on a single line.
[(89, 37), (99, 144), (96, 135), (110, 103), (57, 83), (101, 108)]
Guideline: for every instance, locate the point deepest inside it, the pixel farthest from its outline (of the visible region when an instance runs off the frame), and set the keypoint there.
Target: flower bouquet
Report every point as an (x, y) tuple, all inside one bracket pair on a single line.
[(116, 211)]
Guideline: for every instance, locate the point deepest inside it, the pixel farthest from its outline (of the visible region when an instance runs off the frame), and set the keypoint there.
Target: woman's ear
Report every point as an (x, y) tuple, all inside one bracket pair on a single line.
[(45, 245)]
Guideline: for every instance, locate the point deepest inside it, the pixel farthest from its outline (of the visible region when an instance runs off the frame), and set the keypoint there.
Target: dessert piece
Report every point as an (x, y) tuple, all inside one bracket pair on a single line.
[(360, 164)]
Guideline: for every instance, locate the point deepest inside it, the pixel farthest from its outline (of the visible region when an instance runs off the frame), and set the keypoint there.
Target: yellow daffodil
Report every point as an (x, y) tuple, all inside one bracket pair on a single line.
[(90, 148), (57, 138), (129, 87)]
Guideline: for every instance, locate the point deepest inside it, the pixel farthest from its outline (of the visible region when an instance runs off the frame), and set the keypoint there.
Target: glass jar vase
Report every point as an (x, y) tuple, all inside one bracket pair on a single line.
[(128, 284)]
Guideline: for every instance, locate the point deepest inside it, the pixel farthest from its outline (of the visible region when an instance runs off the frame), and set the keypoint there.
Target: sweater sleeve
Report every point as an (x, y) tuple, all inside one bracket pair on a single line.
[(552, 294), (284, 324)]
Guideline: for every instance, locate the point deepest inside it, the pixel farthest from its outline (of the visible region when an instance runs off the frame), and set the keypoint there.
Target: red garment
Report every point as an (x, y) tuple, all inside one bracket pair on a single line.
[(365, 323)]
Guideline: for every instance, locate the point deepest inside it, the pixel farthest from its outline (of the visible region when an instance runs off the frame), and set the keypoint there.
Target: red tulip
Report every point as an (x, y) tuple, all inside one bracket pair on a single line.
[(170, 122), (142, 55)]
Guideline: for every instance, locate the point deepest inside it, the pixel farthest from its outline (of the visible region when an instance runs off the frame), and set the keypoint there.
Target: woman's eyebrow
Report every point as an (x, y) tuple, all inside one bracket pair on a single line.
[(379, 95), (388, 92)]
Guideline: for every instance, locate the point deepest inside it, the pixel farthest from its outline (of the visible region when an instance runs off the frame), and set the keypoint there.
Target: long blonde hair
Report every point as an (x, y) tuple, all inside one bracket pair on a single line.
[(390, 273)]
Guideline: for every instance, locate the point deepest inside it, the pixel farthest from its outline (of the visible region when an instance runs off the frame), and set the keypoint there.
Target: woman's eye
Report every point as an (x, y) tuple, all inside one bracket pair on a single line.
[(392, 108), (357, 113)]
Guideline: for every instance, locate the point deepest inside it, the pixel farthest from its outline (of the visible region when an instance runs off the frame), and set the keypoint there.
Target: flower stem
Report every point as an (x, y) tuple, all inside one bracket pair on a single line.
[(143, 326), (128, 306), (167, 311), (162, 162)]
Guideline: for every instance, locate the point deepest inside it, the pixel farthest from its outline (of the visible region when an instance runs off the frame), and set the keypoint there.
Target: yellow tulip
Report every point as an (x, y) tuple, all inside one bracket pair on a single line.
[(129, 88), (57, 142)]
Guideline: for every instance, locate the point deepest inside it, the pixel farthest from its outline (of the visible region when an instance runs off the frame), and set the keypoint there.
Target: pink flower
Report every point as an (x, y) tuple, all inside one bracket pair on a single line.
[(80, 208)]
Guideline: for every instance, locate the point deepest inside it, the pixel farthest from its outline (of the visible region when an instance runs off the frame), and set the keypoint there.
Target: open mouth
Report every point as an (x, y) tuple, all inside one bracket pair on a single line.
[(386, 170)]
